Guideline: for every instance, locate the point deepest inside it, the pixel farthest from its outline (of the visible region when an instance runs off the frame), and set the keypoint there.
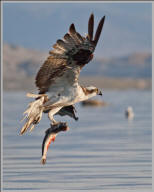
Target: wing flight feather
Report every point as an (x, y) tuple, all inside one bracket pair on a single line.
[(91, 27)]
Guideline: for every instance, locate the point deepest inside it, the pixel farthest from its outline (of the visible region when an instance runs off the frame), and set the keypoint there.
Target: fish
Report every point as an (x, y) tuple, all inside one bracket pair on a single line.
[(50, 135)]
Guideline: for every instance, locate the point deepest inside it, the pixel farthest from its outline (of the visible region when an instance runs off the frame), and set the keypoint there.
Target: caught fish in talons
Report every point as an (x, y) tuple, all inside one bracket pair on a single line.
[(50, 135)]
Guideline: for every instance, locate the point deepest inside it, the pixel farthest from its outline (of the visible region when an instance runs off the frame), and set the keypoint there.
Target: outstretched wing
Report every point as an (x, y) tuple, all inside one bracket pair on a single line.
[(68, 57)]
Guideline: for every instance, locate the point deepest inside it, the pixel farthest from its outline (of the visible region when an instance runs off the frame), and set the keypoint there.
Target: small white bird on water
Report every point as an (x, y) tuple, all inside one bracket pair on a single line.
[(57, 78), (129, 113)]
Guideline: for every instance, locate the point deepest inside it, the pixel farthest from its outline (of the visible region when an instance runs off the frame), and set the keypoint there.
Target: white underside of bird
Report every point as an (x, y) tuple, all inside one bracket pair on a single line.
[(67, 97), (55, 102)]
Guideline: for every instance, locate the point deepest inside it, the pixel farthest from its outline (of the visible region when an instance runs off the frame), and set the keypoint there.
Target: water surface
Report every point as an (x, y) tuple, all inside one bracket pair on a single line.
[(103, 151)]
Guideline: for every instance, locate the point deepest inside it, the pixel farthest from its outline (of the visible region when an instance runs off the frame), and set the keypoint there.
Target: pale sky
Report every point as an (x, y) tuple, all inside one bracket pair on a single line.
[(127, 28)]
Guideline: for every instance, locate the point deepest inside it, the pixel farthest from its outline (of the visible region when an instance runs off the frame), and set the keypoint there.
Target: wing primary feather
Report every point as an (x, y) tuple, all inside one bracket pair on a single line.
[(57, 51), (98, 31), (80, 37), (69, 40), (91, 27), (55, 46), (62, 44), (77, 38), (72, 28), (55, 55)]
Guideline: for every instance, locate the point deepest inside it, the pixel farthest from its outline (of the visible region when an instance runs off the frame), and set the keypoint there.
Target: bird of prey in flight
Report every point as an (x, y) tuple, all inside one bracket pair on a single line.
[(57, 78)]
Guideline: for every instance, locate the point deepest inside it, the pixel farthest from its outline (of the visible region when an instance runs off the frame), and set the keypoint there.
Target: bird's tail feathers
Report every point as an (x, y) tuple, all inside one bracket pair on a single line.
[(33, 113)]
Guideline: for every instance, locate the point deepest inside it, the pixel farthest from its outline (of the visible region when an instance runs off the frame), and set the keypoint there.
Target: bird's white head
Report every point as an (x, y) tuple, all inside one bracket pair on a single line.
[(130, 109), (91, 91)]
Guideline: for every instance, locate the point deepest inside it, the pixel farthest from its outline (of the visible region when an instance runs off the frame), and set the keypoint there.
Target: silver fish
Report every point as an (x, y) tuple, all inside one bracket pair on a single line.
[(50, 135)]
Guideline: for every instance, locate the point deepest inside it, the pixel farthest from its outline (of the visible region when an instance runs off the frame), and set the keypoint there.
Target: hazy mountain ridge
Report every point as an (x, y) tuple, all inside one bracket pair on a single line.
[(20, 61), (22, 64), (137, 65)]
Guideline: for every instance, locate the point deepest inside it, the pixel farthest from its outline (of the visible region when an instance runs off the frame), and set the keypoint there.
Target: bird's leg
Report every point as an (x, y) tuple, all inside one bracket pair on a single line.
[(51, 113), (53, 121)]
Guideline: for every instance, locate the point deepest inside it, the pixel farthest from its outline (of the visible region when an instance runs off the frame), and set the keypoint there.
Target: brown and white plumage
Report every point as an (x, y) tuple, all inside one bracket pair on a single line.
[(68, 57), (57, 78)]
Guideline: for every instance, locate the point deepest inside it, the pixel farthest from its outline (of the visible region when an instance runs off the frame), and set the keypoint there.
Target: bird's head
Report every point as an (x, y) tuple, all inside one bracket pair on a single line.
[(92, 91), (130, 109)]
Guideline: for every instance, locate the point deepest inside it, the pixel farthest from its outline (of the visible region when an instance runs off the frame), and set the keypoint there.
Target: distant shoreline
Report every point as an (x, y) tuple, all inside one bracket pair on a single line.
[(134, 71), (100, 82), (118, 83)]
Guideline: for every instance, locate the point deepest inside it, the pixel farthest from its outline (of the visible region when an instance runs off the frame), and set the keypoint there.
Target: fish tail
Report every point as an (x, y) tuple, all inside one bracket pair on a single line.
[(43, 160)]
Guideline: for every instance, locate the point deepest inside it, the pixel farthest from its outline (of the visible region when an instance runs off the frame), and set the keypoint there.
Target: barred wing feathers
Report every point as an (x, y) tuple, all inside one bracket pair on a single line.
[(50, 70), (68, 57)]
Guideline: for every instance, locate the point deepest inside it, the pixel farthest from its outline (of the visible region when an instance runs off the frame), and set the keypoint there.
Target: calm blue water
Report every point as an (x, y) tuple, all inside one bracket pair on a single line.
[(103, 151)]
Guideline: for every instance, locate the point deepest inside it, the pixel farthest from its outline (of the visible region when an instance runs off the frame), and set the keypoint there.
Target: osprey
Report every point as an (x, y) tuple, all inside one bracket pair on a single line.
[(57, 79)]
